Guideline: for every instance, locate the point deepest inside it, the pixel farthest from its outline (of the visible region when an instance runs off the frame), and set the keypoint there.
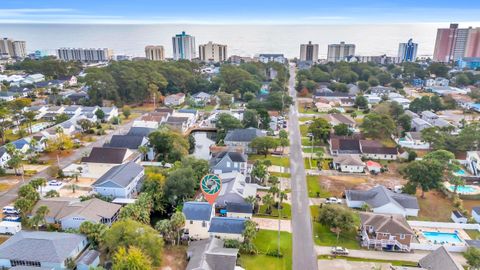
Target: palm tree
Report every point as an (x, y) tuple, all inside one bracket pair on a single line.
[(30, 117), (253, 201), (282, 195), (143, 150), (268, 201), (39, 218)]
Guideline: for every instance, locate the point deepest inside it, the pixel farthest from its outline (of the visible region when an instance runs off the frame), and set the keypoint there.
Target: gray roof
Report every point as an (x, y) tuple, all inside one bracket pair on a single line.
[(475, 209), (244, 135), (3, 150), (227, 225), (201, 95), (106, 155), (71, 108), (411, 114), (392, 224), (88, 257), (197, 211), (380, 195), (429, 114), (140, 131), (23, 267), (245, 208), (52, 247), (420, 122), (120, 176), (234, 156), (209, 254), (415, 135), (125, 141), (440, 259), (348, 160)]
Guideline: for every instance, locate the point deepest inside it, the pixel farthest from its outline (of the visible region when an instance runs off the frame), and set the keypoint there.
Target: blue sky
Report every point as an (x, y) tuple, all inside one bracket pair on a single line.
[(243, 12)]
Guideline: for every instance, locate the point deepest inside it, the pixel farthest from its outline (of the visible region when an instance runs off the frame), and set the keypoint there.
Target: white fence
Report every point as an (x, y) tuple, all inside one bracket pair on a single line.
[(448, 225), (426, 246)]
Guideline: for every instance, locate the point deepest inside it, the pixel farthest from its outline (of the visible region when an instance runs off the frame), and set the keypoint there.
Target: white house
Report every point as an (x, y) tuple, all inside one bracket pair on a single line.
[(349, 164), (175, 99), (239, 210), (110, 112), (383, 201), (436, 82), (4, 157), (197, 219), (476, 214), (227, 228), (102, 159), (34, 78), (49, 250), (473, 162), (120, 181), (413, 140), (458, 217), (73, 110)]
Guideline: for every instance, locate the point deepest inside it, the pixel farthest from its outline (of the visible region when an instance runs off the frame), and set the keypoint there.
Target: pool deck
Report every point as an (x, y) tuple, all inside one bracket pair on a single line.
[(422, 239), (476, 188)]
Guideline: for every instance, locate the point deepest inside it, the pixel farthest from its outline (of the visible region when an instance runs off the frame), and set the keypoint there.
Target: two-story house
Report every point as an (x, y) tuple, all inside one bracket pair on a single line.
[(197, 219), (121, 181), (242, 138), (227, 161)]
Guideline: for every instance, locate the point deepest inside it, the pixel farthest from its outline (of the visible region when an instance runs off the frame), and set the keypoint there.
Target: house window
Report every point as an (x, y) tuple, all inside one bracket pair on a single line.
[(235, 164), (191, 221), (402, 236), (204, 224), (228, 164)]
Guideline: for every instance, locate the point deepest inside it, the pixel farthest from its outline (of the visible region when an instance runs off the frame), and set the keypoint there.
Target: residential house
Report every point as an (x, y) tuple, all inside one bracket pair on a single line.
[(411, 114), (4, 157), (68, 128), (413, 140), (179, 123), (127, 141), (344, 146), (330, 95), (383, 201), (201, 98), (353, 89), (463, 101), (175, 99), (140, 131), (348, 163), (110, 112), (323, 107), (234, 189), (89, 259), (152, 120), (22, 145), (102, 159), (228, 161), (34, 78), (77, 97), (39, 110), (381, 90), (243, 138), (385, 232), (71, 213), (440, 81), (70, 80), (121, 181), (458, 217), (165, 110), (227, 228), (7, 96), (41, 249), (373, 167), (89, 110), (239, 210), (375, 150), (338, 118), (418, 124), (473, 162), (373, 99), (476, 213), (73, 110), (20, 91), (197, 219), (190, 113), (439, 259), (212, 255)]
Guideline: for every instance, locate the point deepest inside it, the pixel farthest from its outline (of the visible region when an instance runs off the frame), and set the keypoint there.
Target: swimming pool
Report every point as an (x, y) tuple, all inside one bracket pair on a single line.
[(460, 172), (467, 189), (440, 237)]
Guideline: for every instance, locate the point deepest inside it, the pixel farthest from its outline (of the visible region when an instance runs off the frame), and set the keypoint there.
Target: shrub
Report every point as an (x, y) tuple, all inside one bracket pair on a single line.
[(274, 253)]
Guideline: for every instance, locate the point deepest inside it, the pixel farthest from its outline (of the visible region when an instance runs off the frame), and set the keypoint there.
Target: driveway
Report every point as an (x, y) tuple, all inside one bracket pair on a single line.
[(304, 256), (272, 224), (380, 255), (9, 196)]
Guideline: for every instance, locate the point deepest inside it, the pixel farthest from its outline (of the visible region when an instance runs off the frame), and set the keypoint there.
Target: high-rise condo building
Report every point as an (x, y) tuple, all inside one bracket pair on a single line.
[(455, 43), (155, 53), (85, 55), (309, 52), (183, 46), (338, 52), (407, 52), (212, 52), (12, 48)]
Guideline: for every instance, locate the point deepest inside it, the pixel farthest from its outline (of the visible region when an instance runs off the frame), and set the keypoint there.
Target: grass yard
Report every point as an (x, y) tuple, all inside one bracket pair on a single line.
[(474, 234), (304, 130), (324, 237), (278, 161), (286, 212), (314, 187), (434, 207), (307, 163), (306, 118), (354, 259), (283, 175), (265, 241), (315, 149)]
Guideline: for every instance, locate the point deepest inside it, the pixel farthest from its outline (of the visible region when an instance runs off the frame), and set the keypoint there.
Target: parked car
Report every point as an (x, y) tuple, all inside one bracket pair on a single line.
[(333, 200), (54, 183), (339, 251), (12, 218), (10, 210)]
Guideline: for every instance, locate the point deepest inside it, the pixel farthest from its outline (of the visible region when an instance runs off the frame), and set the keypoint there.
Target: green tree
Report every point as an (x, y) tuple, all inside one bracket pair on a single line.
[(126, 111), (250, 119), (264, 144), (426, 174), (268, 200), (363, 85), (249, 234), (342, 130), (95, 232), (52, 194), (134, 259), (139, 211), (320, 129), (39, 218), (378, 125), (472, 255), (337, 218), (259, 171), (180, 185), (361, 102), (283, 139), (100, 114), (126, 233)]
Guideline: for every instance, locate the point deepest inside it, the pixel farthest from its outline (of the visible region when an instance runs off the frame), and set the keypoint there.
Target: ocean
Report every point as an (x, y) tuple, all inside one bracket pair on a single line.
[(245, 40)]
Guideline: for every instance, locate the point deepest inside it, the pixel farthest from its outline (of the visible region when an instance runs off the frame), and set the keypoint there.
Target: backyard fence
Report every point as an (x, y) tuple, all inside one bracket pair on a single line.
[(448, 225)]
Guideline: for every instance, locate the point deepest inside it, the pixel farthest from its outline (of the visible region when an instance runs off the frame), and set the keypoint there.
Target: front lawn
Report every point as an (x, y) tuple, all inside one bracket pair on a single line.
[(354, 259), (474, 234), (265, 241), (286, 212), (314, 188), (278, 161), (304, 130), (315, 149), (324, 237), (434, 207)]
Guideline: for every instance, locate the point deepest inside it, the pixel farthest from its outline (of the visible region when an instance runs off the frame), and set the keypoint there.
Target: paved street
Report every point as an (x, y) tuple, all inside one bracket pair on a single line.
[(9, 196), (304, 256), (380, 255)]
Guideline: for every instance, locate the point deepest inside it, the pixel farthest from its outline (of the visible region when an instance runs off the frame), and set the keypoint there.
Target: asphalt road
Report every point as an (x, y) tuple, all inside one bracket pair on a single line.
[(9, 196), (304, 255)]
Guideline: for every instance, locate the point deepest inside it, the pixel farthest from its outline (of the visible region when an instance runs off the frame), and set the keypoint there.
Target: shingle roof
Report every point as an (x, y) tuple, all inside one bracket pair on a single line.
[(140, 131), (3, 150), (474, 209), (121, 175), (380, 195), (52, 247), (245, 208), (197, 211), (234, 156), (88, 257), (349, 160), (345, 144), (429, 114), (125, 141), (227, 225), (440, 259), (209, 254), (106, 155), (244, 135), (393, 224)]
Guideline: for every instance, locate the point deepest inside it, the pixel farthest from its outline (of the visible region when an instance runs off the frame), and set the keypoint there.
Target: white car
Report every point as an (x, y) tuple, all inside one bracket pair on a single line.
[(339, 251), (333, 200), (10, 210), (54, 183)]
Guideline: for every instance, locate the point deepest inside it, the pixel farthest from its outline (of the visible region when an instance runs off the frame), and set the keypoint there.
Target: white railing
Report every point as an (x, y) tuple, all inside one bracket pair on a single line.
[(386, 242), (448, 225), (430, 246)]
